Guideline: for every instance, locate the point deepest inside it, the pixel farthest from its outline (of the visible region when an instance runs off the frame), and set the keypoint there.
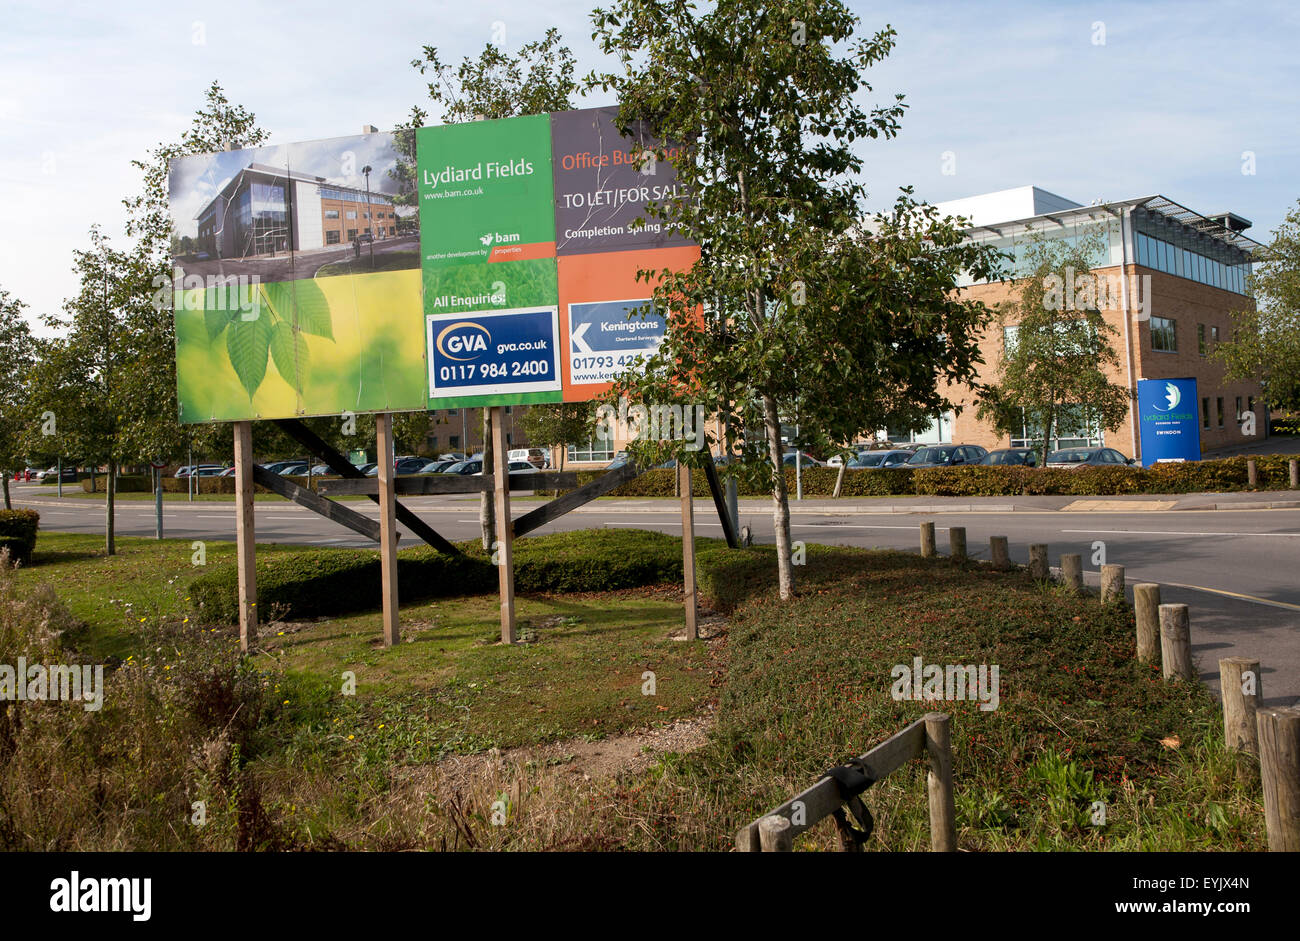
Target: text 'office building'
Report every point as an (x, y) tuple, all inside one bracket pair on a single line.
[(265, 211), (1168, 280)]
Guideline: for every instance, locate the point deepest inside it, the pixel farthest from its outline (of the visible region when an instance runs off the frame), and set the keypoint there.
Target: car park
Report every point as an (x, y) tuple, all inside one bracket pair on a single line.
[(875, 460), (1088, 457), (1021, 457), (946, 455), (522, 467), (410, 465), (535, 456), (465, 468), (293, 470)]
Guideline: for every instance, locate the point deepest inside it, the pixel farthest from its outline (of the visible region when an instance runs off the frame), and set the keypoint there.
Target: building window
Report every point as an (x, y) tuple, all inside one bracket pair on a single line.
[(352, 213), (1164, 335), (331, 213), (331, 236), (352, 234), (1218, 403), (455, 441), (1205, 413), (1200, 338), (591, 450), (392, 230), (1214, 335), (1250, 404), (1238, 403), (509, 439)]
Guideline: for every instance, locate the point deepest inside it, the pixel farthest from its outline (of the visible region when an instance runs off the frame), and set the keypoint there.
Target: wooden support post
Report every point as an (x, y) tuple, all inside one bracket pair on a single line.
[(775, 834), (1293, 467), (1279, 770), (1038, 567), (999, 553), (747, 840), (503, 551), (1146, 605), (943, 800), (1176, 642), (1112, 583), (688, 551), (839, 478), (1239, 682), (245, 535), (1072, 572), (957, 543), (720, 501), (1252, 473), (384, 457), (927, 540)]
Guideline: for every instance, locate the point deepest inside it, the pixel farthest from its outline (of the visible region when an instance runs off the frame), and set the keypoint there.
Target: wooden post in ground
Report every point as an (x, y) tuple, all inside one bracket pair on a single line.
[(1293, 467), (998, 553), (688, 550), (775, 835), (1279, 770), (504, 549), (1038, 561), (1072, 572), (1146, 605), (927, 540), (384, 456), (943, 800), (245, 535), (957, 543), (1252, 473), (747, 840), (1176, 642), (839, 478), (1239, 682), (1112, 583)]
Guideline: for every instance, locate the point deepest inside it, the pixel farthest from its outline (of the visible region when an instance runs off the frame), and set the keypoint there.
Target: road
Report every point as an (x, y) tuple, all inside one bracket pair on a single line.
[(1237, 569)]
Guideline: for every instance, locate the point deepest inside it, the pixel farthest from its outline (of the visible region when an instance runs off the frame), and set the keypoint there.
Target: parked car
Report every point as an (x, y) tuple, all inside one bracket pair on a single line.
[(1023, 457), (228, 472), (276, 466), (368, 467), (465, 468), (453, 456), (69, 473), (1088, 457), (293, 470), (436, 467), (620, 459), (197, 470), (211, 470), (947, 455), (806, 459), (410, 465), (535, 456), (878, 459), (320, 470)]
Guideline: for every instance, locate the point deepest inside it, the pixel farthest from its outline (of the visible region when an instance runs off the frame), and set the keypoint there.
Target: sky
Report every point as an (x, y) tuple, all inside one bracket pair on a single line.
[(1192, 100)]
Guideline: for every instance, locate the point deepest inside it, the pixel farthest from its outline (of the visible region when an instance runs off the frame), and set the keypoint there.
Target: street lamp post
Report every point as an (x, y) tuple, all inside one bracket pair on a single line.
[(370, 217)]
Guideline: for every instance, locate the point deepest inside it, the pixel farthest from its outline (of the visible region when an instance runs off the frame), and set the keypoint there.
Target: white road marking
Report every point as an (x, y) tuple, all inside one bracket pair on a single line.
[(1164, 532)]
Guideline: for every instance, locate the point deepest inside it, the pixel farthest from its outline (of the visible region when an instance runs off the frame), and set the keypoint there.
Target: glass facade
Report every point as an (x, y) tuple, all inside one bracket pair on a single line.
[(1073, 430), (261, 220), (594, 449), (1156, 253)]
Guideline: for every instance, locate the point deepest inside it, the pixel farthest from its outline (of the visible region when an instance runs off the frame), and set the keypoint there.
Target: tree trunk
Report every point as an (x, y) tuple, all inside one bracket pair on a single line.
[(780, 499), (110, 491), (1047, 436), (8, 505), (487, 516)]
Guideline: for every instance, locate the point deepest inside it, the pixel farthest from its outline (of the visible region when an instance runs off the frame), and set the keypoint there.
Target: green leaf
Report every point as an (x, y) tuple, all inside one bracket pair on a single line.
[(248, 342), (312, 309), (277, 299), (290, 354), (218, 310)]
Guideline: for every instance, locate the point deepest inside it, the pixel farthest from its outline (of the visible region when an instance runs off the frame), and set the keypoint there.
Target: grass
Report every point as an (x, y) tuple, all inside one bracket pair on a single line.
[(286, 758)]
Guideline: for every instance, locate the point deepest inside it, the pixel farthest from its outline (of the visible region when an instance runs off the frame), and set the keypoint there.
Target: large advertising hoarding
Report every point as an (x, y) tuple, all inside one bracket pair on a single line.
[(1167, 418), (487, 263)]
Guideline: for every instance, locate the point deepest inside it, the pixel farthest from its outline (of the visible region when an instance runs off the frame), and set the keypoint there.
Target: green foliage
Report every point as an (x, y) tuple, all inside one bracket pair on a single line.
[(557, 425), (1265, 343), (18, 533), (16, 356), (330, 582), (1055, 373)]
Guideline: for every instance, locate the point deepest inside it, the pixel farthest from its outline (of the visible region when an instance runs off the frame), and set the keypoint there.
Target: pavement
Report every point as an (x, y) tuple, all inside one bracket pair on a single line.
[(1233, 558)]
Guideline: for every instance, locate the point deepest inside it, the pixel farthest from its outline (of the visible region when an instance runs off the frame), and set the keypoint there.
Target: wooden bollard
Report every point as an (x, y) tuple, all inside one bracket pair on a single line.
[(957, 543), (1176, 642), (1239, 681), (1146, 605), (1279, 771), (1038, 561), (1072, 572), (1294, 468), (1112, 583), (747, 839), (775, 834), (939, 787), (1252, 474), (927, 540), (998, 553)]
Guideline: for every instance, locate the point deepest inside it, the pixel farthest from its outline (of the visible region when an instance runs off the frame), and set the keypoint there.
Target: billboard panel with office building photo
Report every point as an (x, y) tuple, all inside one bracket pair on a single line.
[(298, 280)]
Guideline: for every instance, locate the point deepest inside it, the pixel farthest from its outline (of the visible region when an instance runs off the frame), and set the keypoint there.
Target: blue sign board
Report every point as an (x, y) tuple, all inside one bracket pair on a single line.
[(510, 355), (1167, 418), (605, 337)]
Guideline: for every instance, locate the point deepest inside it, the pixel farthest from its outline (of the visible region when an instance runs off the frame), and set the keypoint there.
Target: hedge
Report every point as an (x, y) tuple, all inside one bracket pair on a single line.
[(1225, 474), (328, 582), (18, 533)]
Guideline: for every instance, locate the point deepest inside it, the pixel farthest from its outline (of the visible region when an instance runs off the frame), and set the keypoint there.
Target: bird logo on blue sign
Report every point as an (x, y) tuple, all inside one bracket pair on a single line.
[(1172, 396)]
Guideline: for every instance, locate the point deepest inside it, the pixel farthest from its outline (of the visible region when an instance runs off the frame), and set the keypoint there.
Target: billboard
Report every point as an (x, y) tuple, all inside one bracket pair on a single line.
[(487, 263), (1167, 419)]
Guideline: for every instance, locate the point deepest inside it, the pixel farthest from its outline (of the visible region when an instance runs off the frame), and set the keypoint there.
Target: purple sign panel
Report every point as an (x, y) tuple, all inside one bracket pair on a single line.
[(602, 184)]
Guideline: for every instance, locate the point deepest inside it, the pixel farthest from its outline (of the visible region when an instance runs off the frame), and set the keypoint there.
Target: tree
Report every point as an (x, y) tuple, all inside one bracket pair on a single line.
[(537, 79), (1265, 345), (16, 358), (556, 425), (799, 307), (1056, 368)]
